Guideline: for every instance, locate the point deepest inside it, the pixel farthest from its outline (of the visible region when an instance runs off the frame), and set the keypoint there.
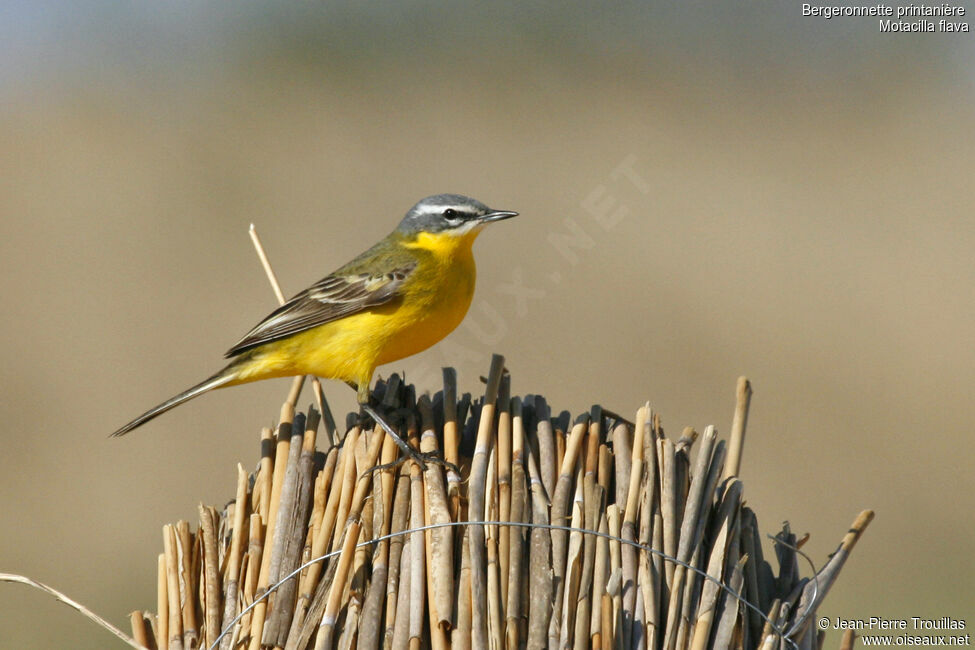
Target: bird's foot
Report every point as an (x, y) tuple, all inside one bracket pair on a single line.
[(421, 458), (410, 452), (436, 458)]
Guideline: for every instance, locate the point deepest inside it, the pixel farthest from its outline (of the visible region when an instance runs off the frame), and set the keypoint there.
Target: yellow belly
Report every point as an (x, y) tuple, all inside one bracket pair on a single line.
[(434, 301)]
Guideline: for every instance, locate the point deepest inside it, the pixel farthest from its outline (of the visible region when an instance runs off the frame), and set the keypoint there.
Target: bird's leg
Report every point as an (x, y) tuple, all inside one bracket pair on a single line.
[(366, 401), (409, 451)]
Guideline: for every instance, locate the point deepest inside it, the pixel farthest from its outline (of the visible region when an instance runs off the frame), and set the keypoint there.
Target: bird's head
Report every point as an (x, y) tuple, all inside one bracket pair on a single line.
[(449, 214)]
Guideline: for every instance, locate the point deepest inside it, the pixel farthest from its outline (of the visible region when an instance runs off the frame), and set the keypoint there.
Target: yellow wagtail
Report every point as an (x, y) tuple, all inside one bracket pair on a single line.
[(396, 299)]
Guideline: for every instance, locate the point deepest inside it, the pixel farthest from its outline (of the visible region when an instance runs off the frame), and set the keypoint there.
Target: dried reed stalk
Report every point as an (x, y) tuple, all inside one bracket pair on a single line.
[(743, 398), (504, 444), (561, 503), (440, 540), (173, 607), (232, 573), (541, 576), (187, 584), (210, 576), (516, 536), (280, 465), (477, 497), (401, 513), (849, 638), (451, 441), (673, 537)]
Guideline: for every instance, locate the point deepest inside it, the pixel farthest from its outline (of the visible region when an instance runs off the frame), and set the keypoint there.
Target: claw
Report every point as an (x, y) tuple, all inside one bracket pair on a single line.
[(409, 451), (435, 458)]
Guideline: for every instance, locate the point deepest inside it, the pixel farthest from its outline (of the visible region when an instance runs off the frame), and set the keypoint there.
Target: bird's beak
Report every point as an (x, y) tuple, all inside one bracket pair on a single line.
[(496, 215)]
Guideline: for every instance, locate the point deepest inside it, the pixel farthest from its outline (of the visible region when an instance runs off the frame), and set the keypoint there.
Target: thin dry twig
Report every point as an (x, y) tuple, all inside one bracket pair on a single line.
[(73, 604)]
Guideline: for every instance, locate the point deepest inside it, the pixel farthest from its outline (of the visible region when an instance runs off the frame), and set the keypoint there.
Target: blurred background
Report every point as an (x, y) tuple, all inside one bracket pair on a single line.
[(707, 190)]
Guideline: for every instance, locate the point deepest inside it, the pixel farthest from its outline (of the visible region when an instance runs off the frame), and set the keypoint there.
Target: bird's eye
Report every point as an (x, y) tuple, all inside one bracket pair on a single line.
[(450, 213)]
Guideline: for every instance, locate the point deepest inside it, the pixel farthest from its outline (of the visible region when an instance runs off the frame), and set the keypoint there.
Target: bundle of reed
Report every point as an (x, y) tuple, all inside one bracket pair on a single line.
[(535, 532)]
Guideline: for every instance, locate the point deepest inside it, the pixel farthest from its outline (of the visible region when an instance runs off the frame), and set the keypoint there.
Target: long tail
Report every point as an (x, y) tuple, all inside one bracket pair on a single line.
[(220, 379)]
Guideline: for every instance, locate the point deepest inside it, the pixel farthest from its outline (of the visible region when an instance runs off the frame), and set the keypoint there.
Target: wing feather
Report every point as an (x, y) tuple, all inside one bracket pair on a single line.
[(329, 299)]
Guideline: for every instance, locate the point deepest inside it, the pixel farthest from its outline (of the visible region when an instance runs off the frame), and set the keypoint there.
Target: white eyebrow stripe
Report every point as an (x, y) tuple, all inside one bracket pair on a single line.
[(438, 209)]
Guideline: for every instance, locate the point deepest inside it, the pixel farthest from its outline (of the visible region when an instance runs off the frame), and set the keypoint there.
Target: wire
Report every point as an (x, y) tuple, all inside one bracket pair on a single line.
[(815, 580), (522, 524)]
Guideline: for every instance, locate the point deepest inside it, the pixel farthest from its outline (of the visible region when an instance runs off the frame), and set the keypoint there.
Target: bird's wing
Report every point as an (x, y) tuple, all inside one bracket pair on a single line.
[(331, 298)]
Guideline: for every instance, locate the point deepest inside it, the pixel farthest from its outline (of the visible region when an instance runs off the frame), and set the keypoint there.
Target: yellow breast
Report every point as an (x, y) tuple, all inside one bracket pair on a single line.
[(437, 297), (434, 300)]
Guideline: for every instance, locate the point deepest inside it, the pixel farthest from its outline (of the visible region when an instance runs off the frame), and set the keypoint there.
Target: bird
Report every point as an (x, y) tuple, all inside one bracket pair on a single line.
[(398, 298)]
